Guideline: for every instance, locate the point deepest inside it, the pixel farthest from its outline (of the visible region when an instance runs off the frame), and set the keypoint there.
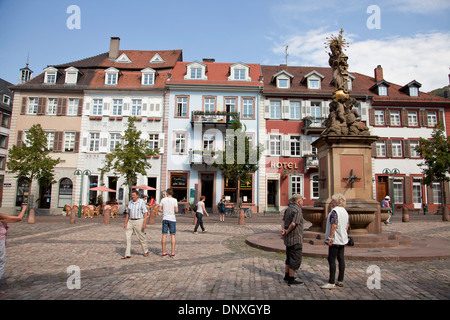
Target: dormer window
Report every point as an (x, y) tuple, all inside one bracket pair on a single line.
[(382, 90), (148, 77), (50, 75), (314, 80), (239, 72), (196, 71), (282, 79), (350, 81), (71, 75), (123, 58), (156, 59), (111, 76), (413, 91)]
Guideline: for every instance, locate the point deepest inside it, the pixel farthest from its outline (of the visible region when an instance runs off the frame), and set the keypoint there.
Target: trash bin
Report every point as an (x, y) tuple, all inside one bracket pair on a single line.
[(425, 209)]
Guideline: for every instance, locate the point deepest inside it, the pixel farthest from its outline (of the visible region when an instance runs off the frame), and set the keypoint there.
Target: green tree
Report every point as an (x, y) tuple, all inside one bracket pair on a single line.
[(130, 158), (31, 159), (239, 159), (436, 156)]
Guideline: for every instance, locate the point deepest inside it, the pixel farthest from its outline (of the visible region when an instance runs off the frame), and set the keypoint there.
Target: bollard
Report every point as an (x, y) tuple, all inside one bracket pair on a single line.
[(151, 217), (106, 216), (445, 216), (31, 216), (241, 217), (405, 214), (73, 214)]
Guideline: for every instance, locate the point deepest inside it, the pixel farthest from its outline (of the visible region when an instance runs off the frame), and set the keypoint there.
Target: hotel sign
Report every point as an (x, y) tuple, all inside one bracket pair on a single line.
[(283, 165)]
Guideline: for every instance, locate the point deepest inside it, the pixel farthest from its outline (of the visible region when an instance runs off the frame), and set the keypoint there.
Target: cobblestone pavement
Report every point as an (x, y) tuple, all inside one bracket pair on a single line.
[(209, 266)]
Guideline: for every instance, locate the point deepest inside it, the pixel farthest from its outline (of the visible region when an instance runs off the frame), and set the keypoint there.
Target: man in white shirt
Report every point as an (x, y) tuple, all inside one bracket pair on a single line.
[(168, 206), (136, 220)]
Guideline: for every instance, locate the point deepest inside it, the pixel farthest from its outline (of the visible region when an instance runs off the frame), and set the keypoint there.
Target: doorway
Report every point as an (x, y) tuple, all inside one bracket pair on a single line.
[(207, 189), (417, 192), (382, 188), (272, 195)]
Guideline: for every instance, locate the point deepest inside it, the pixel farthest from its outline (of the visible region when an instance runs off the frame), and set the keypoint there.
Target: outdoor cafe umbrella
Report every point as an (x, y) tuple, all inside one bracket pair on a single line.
[(102, 188), (143, 187)]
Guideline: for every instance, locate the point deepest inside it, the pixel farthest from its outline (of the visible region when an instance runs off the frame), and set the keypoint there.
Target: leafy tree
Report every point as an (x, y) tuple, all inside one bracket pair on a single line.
[(31, 160), (239, 159), (130, 158), (436, 155)]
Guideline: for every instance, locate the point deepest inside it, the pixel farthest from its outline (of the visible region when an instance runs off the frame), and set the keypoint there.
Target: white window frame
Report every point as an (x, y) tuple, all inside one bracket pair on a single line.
[(379, 118), (136, 107), (397, 149), (239, 72), (153, 139), (432, 118), (395, 118), (71, 75), (52, 106), (114, 139), (97, 107), (296, 185), (117, 107), (180, 143), (381, 148), (69, 141), (72, 109), (295, 144), (382, 90), (32, 105), (412, 147), (295, 110), (198, 74), (111, 76), (50, 75), (248, 108), (398, 187), (314, 185), (275, 109), (436, 187), (413, 91), (50, 139), (183, 103), (148, 77), (275, 145), (413, 120), (94, 141)]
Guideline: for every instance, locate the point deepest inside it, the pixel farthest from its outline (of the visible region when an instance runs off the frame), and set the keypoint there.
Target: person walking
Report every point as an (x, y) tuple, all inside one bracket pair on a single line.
[(292, 232), (199, 214), (4, 219), (136, 220), (168, 206), (336, 238), (386, 203), (221, 207)]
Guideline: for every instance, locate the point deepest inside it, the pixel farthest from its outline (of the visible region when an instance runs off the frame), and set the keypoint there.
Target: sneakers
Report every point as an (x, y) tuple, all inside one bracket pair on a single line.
[(339, 284), (293, 281), (328, 286)]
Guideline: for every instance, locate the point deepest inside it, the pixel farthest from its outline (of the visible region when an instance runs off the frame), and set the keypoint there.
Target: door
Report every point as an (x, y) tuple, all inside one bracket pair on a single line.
[(272, 194), (207, 190), (382, 188), (417, 193)]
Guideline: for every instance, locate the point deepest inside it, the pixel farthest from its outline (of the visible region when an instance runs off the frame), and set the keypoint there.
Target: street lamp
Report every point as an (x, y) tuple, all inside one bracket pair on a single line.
[(391, 173), (81, 173)]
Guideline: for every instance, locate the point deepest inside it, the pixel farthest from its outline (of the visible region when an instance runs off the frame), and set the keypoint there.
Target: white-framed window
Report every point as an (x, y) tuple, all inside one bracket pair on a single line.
[(314, 186), (313, 83), (412, 146), (397, 148), (52, 106), (94, 141), (275, 109), (382, 90), (395, 118), (6, 99), (153, 139), (432, 118), (294, 108), (71, 75), (210, 104), (379, 117), (50, 75), (196, 73), (182, 103), (413, 91), (239, 74), (50, 140), (247, 108), (230, 104), (114, 140), (180, 143), (437, 192), (296, 185), (381, 148), (398, 190), (117, 106), (72, 109), (208, 142), (136, 107), (295, 143), (97, 107), (69, 141), (316, 113), (32, 105), (275, 145), (282, 83), (111, 76), (148, 77), (412, 119)]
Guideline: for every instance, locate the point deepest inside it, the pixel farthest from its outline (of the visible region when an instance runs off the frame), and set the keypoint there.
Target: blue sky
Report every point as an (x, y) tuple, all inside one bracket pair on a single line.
[(412, 41)]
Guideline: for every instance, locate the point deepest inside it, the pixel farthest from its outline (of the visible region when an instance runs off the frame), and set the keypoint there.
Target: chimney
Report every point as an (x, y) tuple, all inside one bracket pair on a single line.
[(209, 60), (378, 73), (114, 48)]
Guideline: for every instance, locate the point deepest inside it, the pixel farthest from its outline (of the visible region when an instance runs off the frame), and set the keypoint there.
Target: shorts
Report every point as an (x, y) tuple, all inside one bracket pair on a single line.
[(169, 226), (294, 256)]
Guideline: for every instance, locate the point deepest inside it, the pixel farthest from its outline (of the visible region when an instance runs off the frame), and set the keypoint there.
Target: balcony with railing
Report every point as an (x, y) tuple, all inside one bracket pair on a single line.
[(313, 125), (311, 161), (216, 119), (206, 157)]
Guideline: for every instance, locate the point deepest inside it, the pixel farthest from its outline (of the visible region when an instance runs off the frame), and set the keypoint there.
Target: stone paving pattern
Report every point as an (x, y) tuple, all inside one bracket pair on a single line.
[(215, 265)]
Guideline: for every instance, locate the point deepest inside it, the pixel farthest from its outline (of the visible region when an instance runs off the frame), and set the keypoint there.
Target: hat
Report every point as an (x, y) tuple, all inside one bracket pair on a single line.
[(297, 197), (387, 198)]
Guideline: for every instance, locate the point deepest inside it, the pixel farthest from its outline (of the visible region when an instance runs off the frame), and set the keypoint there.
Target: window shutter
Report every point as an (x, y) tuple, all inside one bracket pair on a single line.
[(58, 141), (267, 109), (387, 117), (76, 147), (80, 107), (441, 118), (306, 145), (126, 109), (429, 194), (84, 146), (371, 117), (59, 108), (103, 148), (374, 150), (41, 106), (404, 115), (285, 112), (23, 109), (106, 109), (285, 147), (325, 109), (422, 116), (161, 143), (87, 110), (389, 148), (406, 148), (19, 137), (407, 190), (307, 108), (447, 192)]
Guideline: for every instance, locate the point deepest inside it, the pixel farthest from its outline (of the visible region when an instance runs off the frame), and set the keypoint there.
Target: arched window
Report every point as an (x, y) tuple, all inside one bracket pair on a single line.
[(65, 192)]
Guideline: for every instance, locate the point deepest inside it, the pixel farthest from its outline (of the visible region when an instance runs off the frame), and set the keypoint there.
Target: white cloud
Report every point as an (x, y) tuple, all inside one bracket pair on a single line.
[(420, 57), (419, 6)]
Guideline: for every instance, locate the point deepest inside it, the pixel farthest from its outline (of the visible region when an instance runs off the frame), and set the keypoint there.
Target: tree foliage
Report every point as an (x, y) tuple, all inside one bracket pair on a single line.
[(31, 159), (436, 156), (130, 157)]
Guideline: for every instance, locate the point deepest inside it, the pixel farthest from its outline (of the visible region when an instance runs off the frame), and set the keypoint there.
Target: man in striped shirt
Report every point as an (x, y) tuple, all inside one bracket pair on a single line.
[(136, 220)]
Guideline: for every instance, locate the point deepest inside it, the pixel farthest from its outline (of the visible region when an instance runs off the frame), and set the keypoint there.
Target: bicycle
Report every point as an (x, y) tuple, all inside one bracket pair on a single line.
[(248, 212)]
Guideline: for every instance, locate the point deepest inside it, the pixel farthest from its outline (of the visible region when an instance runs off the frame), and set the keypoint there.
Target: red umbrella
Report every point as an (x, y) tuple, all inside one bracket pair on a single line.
[(143, 187), (102, 188)]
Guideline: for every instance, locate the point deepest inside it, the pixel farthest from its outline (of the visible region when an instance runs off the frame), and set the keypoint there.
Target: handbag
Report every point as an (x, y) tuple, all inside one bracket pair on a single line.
[(350, 242)]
